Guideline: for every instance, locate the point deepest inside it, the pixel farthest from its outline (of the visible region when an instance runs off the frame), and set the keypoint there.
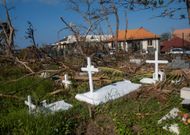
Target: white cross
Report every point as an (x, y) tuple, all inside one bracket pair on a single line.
[(90, 69), (29, 104), (66, 81), (156, 62)]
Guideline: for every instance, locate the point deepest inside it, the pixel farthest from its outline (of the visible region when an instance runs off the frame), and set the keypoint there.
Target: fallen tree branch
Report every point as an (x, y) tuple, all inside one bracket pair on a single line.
[(55, 92), (23, 63), (10, 96), (30, 74)]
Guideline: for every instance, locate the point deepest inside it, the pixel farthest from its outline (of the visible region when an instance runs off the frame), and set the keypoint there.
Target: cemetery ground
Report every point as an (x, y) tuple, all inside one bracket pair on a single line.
[(135, 113)]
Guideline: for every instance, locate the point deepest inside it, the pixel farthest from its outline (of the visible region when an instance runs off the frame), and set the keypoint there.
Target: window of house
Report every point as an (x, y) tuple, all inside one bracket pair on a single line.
[(150, 42)]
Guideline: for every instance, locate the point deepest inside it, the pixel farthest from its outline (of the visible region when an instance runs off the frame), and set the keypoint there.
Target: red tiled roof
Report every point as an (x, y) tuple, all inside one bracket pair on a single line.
[(175, 42), (135, 34), (183, 33)]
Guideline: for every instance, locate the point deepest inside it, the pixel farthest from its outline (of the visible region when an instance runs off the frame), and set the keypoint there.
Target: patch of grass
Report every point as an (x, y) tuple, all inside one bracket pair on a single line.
[(10, 72), (127, 115)]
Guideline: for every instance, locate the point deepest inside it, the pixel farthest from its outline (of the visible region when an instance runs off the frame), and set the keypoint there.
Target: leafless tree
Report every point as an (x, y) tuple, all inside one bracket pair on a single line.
[(30, 33), (7, 32), (166, 7), (90, 17)]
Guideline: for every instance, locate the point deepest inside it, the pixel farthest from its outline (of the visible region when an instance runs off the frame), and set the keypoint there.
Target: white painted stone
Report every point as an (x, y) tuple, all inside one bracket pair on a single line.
[(185, 93), (107, 93), (90, 70), (66, 82)]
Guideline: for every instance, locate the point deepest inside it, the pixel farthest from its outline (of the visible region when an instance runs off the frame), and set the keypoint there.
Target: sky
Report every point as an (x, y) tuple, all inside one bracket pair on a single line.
[(45, 17)]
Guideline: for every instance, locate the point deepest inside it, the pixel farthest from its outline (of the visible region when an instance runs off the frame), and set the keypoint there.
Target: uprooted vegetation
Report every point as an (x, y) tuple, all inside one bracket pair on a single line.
[(135, 113)]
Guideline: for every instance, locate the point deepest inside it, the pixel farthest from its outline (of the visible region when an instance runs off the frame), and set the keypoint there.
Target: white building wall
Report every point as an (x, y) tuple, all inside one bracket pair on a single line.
[(123, 46), (144, 45), (154, 43)]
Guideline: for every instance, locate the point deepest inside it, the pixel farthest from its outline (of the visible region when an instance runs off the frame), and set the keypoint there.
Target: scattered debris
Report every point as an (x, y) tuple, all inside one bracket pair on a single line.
[(173, 128), (171, 115), (178, 63), (186, 118), (186, 73), (136, 61), (44, 75)]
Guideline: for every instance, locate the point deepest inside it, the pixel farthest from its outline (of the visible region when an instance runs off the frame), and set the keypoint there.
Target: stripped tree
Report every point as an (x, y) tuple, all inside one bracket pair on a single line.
[(7, 33)]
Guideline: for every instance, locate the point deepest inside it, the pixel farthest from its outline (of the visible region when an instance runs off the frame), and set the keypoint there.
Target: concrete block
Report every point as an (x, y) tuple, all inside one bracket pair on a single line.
[(185, 93)]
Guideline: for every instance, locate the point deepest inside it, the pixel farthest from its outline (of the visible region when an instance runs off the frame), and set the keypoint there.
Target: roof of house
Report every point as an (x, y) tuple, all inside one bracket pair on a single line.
[(135, 34), (88, 38), (175, 42), (182, 32)]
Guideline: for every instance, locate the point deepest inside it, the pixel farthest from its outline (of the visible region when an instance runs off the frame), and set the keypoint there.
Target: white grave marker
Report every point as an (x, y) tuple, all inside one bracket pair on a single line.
[(106, 93), (31, 106), (90, 69), (53, 107), (156, 62), (156, 72), (66, 82)]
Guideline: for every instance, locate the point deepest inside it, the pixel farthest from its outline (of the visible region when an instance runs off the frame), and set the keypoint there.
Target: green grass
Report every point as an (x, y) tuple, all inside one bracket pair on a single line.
[(122, 114)]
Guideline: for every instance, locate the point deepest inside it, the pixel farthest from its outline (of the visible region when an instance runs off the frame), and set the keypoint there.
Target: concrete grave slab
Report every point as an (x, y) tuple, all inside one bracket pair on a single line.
[(56, 106), (53, 107), (107, 93)]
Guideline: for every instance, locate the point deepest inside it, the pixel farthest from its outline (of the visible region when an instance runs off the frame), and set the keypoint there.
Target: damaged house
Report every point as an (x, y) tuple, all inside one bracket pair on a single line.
[(88, 42), (136, 40)]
